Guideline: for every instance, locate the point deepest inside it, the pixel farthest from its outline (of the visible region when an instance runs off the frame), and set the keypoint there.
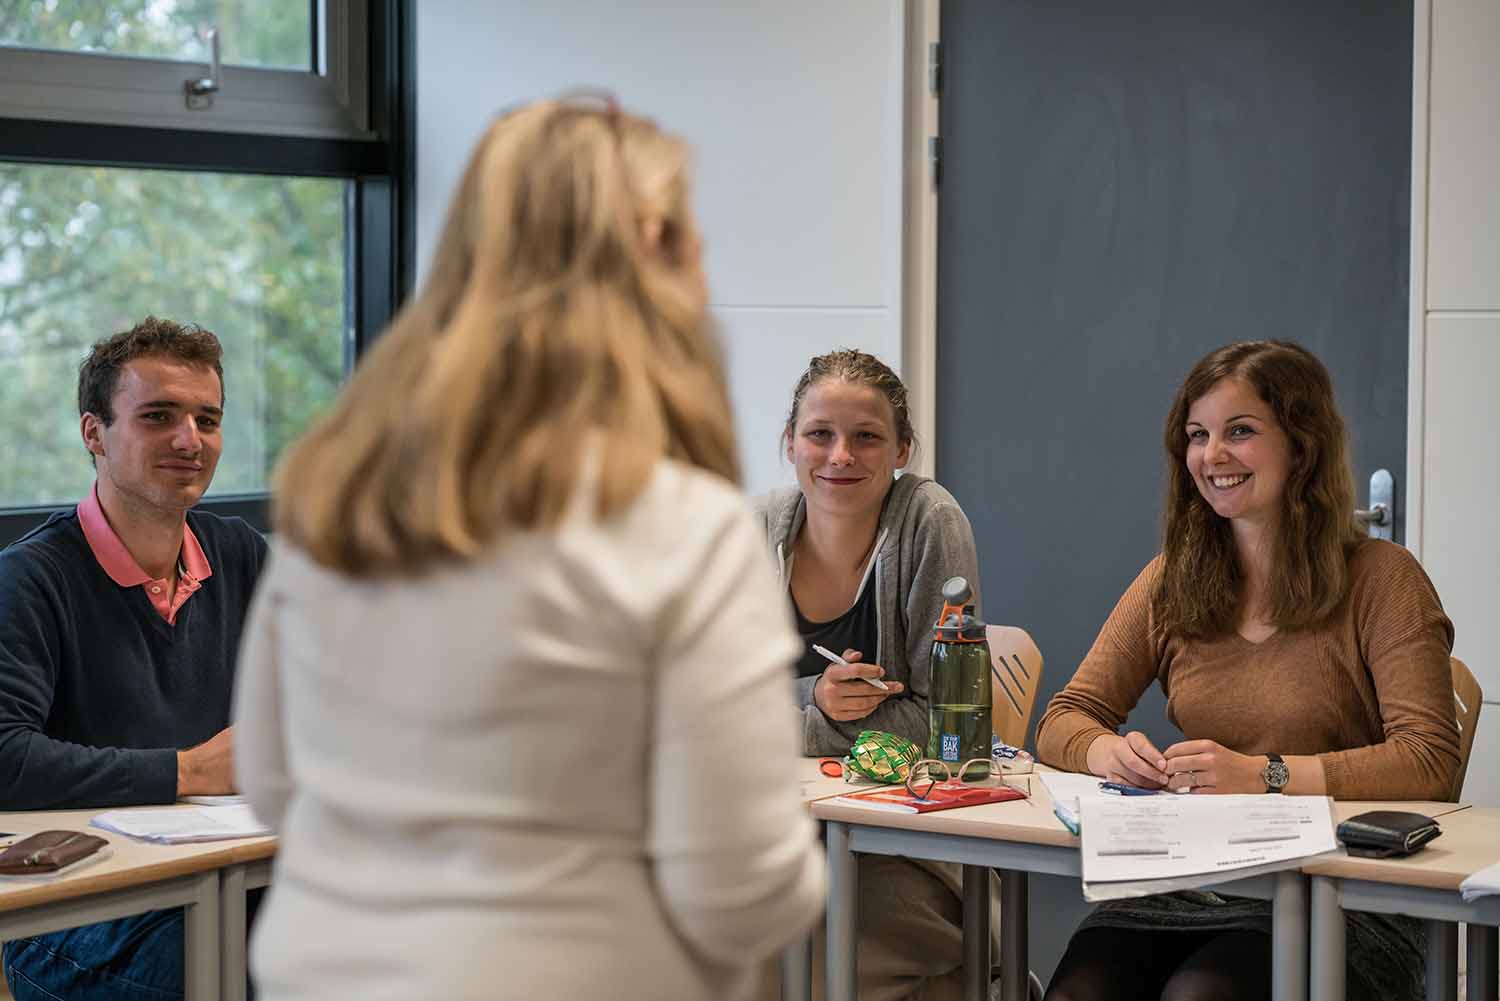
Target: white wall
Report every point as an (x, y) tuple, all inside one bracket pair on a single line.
[(1455, 458), (795, 111)]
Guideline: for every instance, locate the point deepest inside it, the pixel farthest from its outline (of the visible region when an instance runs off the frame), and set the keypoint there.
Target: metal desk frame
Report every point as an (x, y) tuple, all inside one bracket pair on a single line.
[(1331, 896), (234, 881), (213, 903), (197, 893), (1015, 861)]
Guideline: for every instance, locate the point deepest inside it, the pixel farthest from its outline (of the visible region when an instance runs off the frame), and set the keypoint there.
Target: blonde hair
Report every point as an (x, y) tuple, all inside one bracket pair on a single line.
[(564, 310)]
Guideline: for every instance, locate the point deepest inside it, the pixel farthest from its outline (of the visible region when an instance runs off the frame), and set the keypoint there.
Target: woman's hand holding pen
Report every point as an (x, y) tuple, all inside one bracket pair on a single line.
[(1130, 759), (1206, 766), (843, 693)]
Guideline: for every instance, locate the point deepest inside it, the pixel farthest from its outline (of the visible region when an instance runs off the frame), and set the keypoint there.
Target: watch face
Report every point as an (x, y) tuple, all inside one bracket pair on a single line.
[(1276, 775)]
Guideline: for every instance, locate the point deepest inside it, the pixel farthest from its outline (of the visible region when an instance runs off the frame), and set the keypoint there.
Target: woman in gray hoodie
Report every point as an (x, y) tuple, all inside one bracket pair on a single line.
[(863, 555)]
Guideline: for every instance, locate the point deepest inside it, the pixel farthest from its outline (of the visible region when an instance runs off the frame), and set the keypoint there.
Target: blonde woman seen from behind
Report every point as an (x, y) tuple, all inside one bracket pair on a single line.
[(514, 689)]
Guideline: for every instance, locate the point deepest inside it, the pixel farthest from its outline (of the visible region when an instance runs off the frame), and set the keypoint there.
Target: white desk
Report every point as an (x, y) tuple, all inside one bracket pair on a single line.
[(138, 878), (1019, 838), (1424, 886), (796, 959)]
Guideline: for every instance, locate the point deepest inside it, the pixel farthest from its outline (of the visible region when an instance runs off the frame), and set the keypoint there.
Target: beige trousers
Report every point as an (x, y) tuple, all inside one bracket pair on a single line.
[(910, 945)]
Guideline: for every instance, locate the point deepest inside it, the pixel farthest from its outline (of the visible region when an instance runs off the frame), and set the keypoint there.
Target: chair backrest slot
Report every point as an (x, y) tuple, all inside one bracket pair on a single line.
[(1013, 645)]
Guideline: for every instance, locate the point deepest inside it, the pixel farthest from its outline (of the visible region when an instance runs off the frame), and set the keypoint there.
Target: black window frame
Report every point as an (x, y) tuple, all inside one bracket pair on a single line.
[(381, 250)]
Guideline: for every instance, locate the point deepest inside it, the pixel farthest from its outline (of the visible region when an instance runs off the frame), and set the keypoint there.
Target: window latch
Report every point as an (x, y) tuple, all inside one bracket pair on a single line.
[(199, 91)]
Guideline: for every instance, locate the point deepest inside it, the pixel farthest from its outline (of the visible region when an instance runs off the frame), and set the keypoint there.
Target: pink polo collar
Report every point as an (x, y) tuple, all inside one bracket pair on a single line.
[(116, 561)]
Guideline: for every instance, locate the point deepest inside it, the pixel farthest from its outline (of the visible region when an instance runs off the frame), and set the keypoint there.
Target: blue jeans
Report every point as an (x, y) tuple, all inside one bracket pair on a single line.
[(138, 958)]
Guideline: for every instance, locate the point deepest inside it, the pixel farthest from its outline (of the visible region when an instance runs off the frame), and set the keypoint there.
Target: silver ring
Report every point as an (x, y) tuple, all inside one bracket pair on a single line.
[(1192, 778)]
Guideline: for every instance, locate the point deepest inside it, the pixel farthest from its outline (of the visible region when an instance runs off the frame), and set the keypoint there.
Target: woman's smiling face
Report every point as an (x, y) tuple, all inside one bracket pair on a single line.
[(845, 447), (1237, 453)]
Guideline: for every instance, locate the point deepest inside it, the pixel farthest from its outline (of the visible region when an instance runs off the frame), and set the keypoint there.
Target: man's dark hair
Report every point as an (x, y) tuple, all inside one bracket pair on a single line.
[(99, 374)]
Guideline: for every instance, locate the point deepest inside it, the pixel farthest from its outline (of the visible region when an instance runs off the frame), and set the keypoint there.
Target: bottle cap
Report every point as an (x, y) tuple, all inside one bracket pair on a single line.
[(957, 623), (956, 591)]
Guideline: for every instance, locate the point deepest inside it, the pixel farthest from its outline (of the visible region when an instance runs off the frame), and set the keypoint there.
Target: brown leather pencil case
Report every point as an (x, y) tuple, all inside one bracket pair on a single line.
[(48, 851)]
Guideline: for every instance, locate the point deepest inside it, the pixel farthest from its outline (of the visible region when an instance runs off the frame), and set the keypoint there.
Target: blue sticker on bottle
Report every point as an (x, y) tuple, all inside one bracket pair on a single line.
[(950, 747)]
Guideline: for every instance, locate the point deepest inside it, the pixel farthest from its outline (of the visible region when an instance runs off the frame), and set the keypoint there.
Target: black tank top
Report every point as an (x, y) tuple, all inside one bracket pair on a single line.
[(857, 629)]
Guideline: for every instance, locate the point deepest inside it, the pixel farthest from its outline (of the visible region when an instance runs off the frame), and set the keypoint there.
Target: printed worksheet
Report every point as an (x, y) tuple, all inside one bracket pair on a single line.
[(1135, 845)]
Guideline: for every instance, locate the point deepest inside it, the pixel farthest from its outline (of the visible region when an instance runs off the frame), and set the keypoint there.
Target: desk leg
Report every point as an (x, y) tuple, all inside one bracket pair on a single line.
[(232, 930), (976, 932), (1015, 944), (1484, 979), (796, 970), (1442, 960), (201, 940), (843, 902), (1289, 938), (1327, 960)]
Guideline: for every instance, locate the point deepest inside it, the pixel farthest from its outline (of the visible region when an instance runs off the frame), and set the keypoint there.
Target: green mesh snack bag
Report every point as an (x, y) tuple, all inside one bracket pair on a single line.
[(882, 756)]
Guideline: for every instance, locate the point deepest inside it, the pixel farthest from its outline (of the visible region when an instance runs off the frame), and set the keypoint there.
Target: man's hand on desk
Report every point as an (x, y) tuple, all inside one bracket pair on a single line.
[(208, 769)]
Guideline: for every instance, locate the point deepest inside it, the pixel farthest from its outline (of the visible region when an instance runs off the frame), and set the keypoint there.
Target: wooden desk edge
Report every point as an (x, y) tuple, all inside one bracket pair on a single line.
[(19, 896), (952, 822)]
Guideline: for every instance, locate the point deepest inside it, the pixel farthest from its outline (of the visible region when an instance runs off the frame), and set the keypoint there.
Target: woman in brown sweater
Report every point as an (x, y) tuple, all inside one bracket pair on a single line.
[(1296, 655)]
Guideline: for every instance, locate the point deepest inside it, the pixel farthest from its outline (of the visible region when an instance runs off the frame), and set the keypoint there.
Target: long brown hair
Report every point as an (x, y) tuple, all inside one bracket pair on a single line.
[(564, 316), (1201, 585)]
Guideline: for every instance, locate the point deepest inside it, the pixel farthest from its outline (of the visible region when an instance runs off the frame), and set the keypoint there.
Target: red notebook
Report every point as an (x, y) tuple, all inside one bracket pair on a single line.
[(944, 796)]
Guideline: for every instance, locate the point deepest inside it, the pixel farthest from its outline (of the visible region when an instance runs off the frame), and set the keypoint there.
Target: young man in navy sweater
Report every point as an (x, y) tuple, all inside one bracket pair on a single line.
[(119, 624)]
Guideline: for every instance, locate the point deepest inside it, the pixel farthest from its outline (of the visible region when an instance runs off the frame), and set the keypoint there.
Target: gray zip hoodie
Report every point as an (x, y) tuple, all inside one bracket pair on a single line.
[(923, 539)]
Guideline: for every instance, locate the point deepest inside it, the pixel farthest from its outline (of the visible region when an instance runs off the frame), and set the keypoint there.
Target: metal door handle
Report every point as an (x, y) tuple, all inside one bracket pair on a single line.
[(1379, 518)]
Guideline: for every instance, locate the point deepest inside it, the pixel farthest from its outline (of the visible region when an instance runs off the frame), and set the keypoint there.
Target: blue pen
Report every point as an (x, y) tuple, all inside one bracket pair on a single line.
[(1120, 789), (1068, 820)]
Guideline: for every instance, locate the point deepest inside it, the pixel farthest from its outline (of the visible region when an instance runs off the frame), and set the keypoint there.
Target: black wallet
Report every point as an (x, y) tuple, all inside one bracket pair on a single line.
[(1387, 833)]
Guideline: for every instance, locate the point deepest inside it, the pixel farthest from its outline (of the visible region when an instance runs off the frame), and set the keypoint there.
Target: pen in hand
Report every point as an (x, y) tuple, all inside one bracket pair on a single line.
[(823, 651)]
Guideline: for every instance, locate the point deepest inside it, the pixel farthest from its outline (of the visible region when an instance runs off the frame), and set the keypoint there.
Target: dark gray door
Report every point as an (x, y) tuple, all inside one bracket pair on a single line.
[(1125, 186)]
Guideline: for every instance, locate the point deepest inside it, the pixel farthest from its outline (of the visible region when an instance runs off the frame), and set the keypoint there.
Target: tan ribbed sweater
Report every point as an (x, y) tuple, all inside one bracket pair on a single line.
[(1369, 691)]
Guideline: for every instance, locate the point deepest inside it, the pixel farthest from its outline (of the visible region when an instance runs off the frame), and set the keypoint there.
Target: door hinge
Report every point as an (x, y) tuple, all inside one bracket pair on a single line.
[(935, 68), (935, 155)]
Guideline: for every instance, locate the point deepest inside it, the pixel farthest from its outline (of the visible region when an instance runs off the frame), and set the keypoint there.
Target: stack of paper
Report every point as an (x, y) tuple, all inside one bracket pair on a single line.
[(1483, 883), (1066, 789), (230, 799), (178, 825), (1138, 845)]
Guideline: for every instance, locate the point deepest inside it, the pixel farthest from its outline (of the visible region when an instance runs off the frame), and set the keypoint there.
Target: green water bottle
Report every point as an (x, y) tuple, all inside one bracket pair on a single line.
[(958, 710)]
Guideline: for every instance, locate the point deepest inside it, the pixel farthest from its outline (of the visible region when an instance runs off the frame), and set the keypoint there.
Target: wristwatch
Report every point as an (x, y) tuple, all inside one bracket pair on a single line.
[(1275, 774)]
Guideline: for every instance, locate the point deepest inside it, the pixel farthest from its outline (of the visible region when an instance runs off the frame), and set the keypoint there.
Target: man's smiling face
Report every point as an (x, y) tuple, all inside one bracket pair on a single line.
[(162, 446)]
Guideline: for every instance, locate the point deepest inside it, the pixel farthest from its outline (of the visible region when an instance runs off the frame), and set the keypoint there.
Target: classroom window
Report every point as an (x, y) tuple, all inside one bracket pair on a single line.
[(88, 251), (288, 67), (275, 34)]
